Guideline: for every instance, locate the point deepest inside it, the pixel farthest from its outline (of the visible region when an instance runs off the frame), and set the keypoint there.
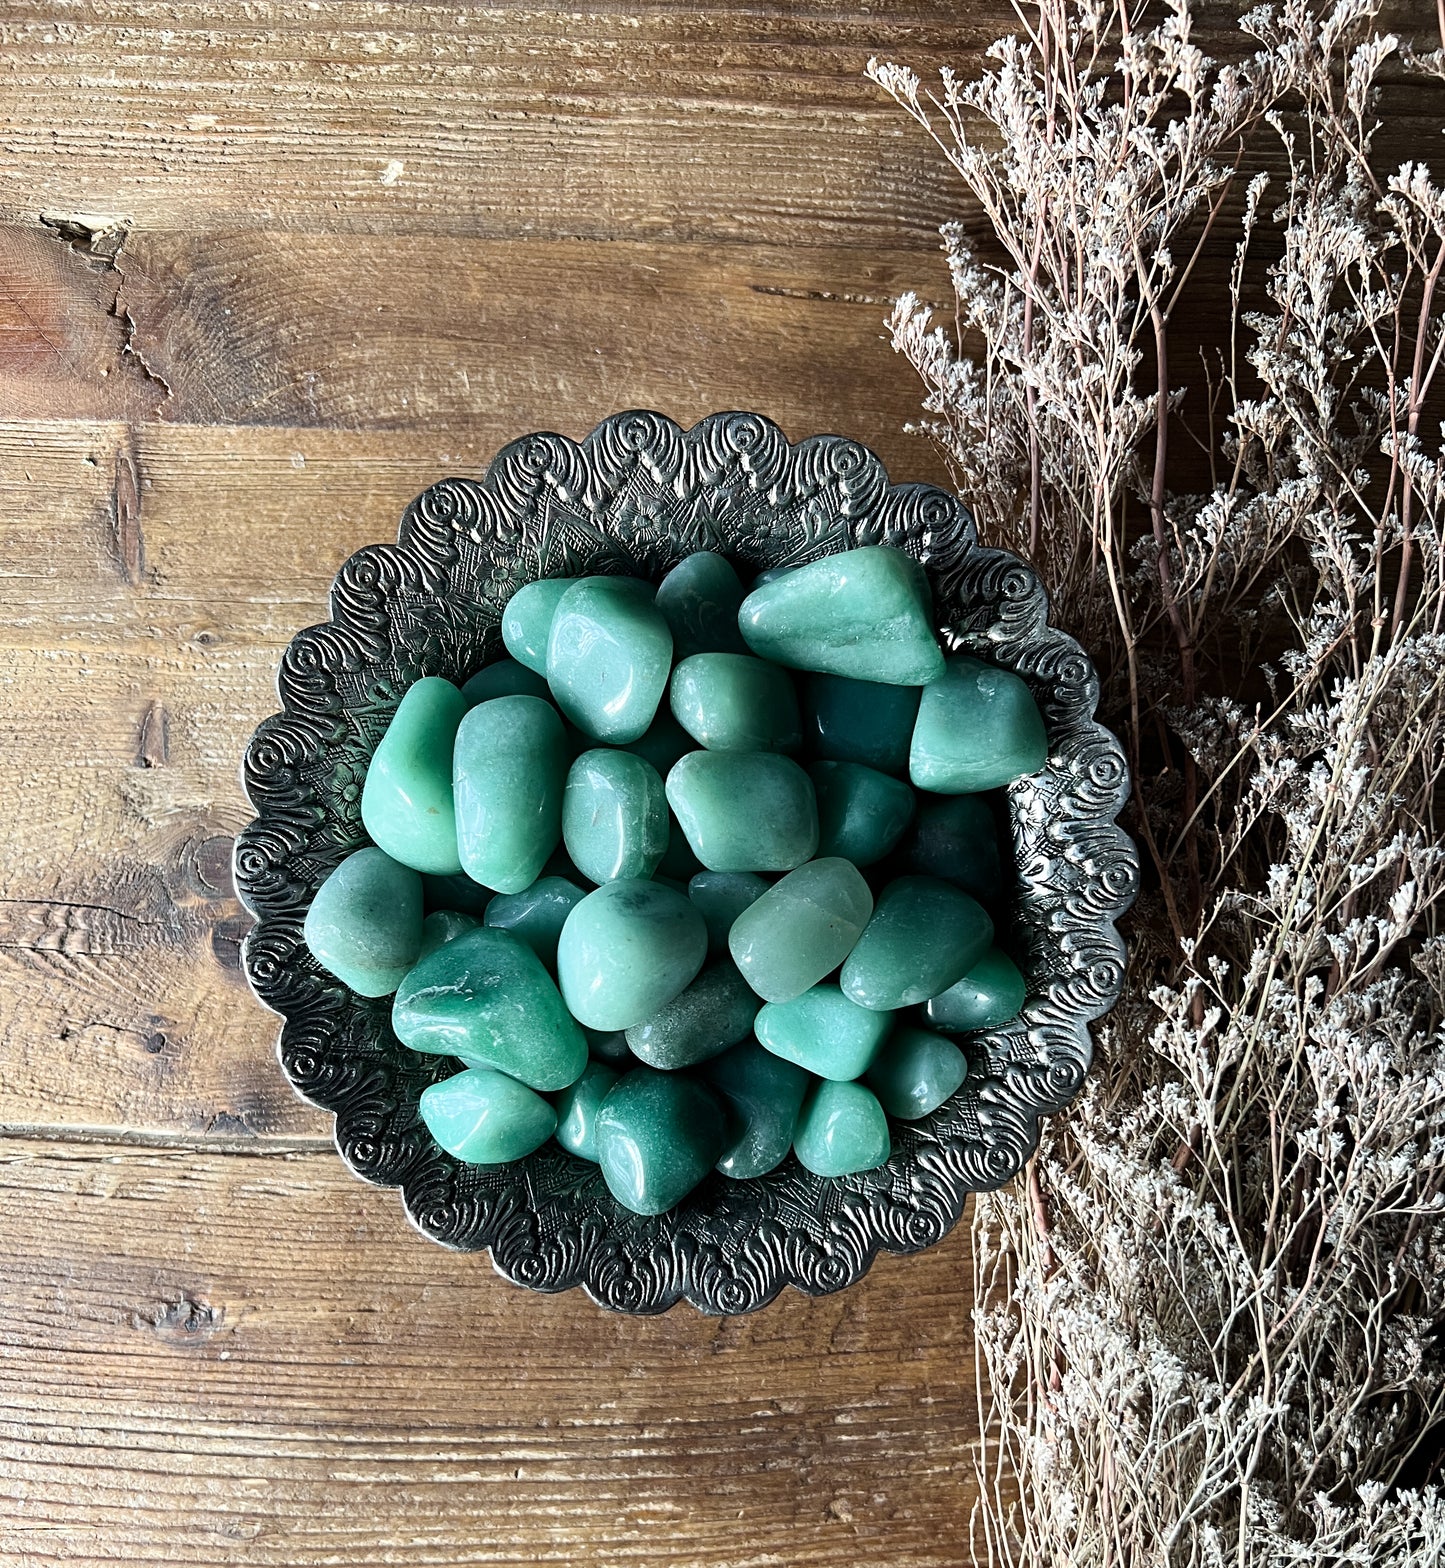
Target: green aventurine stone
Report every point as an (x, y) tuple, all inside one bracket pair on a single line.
[(762, 1095), (608, 657), (859, 721), (956, 837), (527, 620), (978, 727), (364, 924), (485, 1117), (505, 678), (458, 892), (577, 1110), (626, 951), (990, 994), (862, 813), (744, 810), (862, 613), (679, 863), (658, 1135), (699, 598), (925, 934), (664, 743), (608, 1046), (486, 998), (824, 1032), (714, 1012), (734, 702), (841, 1129), (916, 1072), (406, 802), (614, 816), (536, 914), (801, 929), (721, 896), (440, 927), (508, 771)]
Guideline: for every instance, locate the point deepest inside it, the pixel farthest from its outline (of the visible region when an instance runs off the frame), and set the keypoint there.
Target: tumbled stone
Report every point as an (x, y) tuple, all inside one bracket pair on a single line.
[(609, 1045), (505, 678), (508, 771), (609, 653), (770, 574), (714, 1012), (536, 914), (859, 721), (734, 702), (823, 1032), (744, 810), (978, 727), (614, 816), (679, 864), (841, 1129), (801, 929), (992, 993), (956, 837), (627, 949), (699, 598), (862, 813), (486, 1118), (658, 1135), (364, 923), (925, 934), (440, 927), (761, 1096), (456, 892), (486, 999), (721, 896), (664, 742), (915, 1072), (862, 613), (406, 802), (577, 1109), (527, 620)]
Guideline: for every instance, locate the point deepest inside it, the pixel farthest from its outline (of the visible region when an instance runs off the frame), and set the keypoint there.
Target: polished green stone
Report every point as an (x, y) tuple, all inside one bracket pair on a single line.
[(956, 837), (627, 949), (721, 896), (734, 702), (824, 1032), (527, 620), (801, 929), (577, 1109), (761, 1096), (509, 769), (658, 1135), (609, 1046), (770, 574), (486, 1118), (536, 914), (925, 934), (364, 923), (679, 864), (990, 994), (440, 927), (744, 810), (486, 998), (505, 678), (664, 742), (614, 816), (978, 727), (406, 802), (608, 657), (841, 1129), (859, 721), (699, 598), (862, 813), (714, 1012), (915, 1072), (862, 613), (456, 892)]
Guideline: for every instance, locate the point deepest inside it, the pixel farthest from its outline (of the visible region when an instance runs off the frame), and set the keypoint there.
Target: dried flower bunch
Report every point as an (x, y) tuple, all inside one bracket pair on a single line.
[(1209, 1323)]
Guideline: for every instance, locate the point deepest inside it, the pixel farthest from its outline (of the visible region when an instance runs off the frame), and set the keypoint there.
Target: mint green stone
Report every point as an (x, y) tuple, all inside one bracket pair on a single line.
[(609, 1046), (841, 1129), (456, 892), (863, 613), (744, 810), (915, 1072), (862, 813), (720, 897), (664, 742), (406, 802), (859, 721), (714, 1012), (978, 727), (699, 598), (925, 934), (658, 1135), (801, 929), (486, 999), (577, 1110), (440, 927), (536, 914), (990, 994), (761, 1096), (505, 678), (823, 1032), (626, 951), (527, 620), (486, 1118), (508, 772), (734, 702), (956, 837), (679, 864), (608, 657), (614, 816), (364, 923)]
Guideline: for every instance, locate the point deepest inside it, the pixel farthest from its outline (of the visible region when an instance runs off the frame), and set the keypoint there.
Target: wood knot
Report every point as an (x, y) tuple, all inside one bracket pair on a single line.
[(183, 1321)]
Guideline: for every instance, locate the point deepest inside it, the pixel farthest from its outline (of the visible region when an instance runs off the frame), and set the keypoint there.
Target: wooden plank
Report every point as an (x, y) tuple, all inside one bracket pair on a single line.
[(217, 1359)]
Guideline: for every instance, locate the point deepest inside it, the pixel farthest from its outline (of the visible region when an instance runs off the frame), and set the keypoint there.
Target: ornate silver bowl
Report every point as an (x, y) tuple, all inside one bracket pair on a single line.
[(635, 496)]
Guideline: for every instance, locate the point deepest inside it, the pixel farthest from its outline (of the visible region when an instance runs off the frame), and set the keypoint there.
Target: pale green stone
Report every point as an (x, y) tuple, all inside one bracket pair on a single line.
[(823, 1032), (508, 771), (699, 598), (925, 934), (486, 1118), (614, 816), (957, 838), (721, 896), (761, 1096), (734, 702), (658, 1135), (364, 924), (915, 1072), (527, 620), (536, 914), (859, 721), (714, 1012), (862, 813), (577, 1110), (440, 927), (664, 742), (744, 810), (978, 727), (841, 1129), (992, 993), (505, 678), (609, 653), (801, 929), (406, 802)]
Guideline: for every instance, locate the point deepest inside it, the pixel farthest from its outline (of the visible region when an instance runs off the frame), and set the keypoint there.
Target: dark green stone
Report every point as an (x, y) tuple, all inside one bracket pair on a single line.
[(761, 1095), (801, 929), (505, 678), (527, 620), (915, 1072), (956, 837), (990, 994), (699, 598), (364, 923), (823, 1032), (978, 727), (614, 815), (609, 654), (714, 1012), (734, 702), (744, 810), (862, 813), (841, 1129), (456, 892), (925, 934), (859, 721), (679, 864), (440, 927), (664, 742), (536, 914), (721, 896), (486, 1118), (577, 1110), (658, 1135), (609, 1046), (406, 802)]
